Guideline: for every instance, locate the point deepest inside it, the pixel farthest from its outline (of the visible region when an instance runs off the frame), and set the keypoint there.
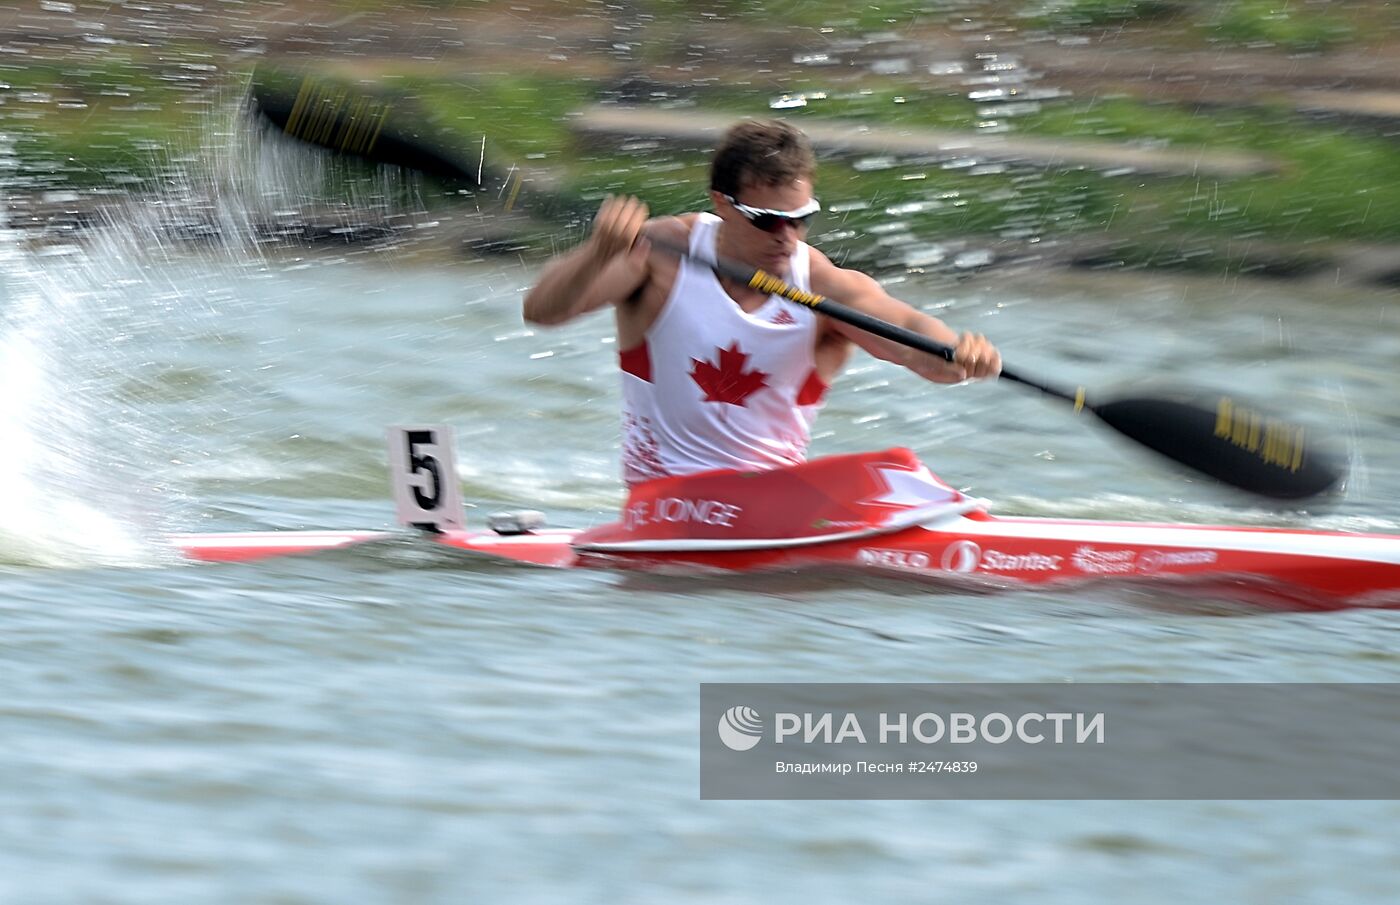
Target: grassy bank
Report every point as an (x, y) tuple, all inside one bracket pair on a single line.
[(1291, 25), (124, 117), (112, 122), (1333, 183)]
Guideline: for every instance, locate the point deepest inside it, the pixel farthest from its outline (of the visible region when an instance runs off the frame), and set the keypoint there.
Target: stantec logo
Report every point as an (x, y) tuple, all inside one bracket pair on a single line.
[(740, 728), (962, 557)]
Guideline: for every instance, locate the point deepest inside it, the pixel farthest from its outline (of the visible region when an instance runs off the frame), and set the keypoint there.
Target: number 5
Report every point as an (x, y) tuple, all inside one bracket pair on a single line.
[(423, 473)]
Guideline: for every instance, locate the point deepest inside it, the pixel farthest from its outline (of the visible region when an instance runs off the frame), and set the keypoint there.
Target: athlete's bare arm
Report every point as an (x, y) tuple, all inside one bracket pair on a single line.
[(975, 357), (607, 269)]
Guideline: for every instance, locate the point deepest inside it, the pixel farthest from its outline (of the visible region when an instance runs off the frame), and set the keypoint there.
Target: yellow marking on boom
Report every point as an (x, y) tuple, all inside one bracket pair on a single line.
[(331, 118), (328, 117), (378, 127), (363, 126), (348, 137), (765, 282), (515, 189), (299, 106), (1276, 443), (318, 123)]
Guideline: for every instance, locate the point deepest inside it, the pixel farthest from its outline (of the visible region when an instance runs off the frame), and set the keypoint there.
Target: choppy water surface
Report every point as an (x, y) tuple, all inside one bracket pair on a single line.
[(395, 725)]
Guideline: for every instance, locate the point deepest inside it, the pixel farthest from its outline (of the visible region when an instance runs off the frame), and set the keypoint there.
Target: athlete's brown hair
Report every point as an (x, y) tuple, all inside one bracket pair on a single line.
[(760, 152)]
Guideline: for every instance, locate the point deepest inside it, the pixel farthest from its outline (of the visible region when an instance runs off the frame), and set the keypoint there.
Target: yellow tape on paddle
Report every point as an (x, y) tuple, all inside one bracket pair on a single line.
[(764, 282)]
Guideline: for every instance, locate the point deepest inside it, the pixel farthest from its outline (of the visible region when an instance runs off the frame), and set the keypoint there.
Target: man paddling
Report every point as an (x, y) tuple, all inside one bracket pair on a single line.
[(718, 374)]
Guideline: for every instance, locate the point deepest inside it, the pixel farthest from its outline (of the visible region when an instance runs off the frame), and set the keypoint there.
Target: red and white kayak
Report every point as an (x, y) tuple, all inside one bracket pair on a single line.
[(886, 512)]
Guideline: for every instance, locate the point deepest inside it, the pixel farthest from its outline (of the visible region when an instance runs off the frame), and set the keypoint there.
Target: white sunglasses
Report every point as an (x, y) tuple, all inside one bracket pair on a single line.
[(770, 221)]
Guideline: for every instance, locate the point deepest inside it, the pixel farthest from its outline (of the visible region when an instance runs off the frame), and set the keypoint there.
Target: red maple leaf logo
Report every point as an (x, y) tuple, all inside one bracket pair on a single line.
[(728, 382), (784, 317)]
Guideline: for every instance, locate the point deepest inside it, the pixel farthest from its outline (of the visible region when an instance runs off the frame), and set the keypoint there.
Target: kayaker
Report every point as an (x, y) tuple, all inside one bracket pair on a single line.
[(717, 374)]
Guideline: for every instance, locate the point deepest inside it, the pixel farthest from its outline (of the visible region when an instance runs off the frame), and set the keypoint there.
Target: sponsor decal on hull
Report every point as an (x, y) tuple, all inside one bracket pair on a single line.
[(1157, 560), (996, 561), (893, 559), (962, 557), (1093, 561)]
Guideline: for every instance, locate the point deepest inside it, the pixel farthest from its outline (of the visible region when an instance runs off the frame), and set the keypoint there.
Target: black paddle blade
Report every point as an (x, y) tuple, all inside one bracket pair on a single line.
[(358, 124), (1232, 443)]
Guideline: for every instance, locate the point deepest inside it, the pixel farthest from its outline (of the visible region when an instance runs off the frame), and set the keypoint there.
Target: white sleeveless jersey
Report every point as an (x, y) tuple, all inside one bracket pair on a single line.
[(712, 386)]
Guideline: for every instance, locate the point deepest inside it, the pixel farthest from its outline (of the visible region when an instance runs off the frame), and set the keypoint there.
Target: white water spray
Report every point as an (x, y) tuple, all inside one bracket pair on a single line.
[(65, 501), (99, 432)]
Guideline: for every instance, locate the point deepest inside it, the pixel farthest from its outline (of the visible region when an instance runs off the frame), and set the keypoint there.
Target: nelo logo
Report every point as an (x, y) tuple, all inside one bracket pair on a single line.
[(894, 559), (962, 557), (740, 728)]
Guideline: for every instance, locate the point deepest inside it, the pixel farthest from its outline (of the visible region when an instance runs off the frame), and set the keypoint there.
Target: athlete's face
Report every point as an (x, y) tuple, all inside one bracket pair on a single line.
[(765, 222)]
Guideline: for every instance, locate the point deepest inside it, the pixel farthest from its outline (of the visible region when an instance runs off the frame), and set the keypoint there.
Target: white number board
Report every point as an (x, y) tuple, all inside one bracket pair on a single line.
[(423, 472)]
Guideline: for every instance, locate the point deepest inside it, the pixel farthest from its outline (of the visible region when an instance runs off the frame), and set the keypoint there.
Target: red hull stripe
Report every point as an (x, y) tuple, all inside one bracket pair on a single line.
[(636, 361), (813, 391)]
